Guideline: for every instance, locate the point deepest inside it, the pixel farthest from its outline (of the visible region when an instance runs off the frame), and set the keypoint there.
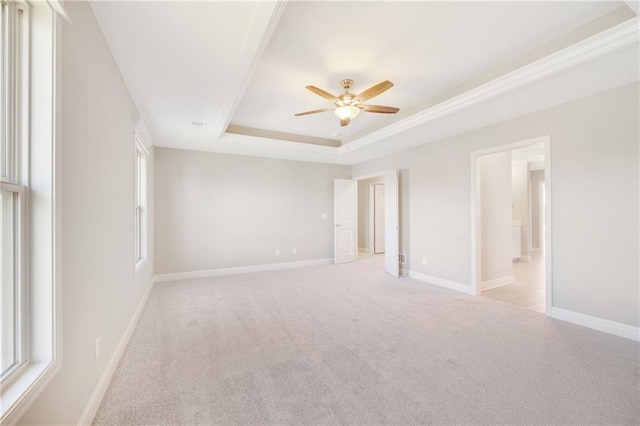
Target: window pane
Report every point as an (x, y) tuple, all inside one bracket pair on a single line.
[(138, 233), (16, 142), (4, 51), (8, 292), (139, 177)]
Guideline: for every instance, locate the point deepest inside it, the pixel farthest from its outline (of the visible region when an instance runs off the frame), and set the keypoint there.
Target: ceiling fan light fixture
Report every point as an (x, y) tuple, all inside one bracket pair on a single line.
[(349, 105), (347, 111)]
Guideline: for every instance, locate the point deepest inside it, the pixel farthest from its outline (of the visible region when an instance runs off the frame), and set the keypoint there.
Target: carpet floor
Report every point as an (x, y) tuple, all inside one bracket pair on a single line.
[(347, 344)]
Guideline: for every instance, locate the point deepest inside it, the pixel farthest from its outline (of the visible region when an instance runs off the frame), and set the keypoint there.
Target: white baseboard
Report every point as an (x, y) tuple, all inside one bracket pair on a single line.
[(495, 283), (536, 250), (239, 270), (607, 326), (96, 398), (364, 249), (525, 258), (452, 285)]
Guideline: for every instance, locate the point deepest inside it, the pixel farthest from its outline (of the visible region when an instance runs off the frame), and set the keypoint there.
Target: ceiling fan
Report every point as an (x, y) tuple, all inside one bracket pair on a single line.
[(349, 105)]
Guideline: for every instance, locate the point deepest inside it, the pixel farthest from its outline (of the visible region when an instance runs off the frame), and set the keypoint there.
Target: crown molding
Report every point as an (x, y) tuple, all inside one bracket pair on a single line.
[(265, 20), (600, 44), (256, 146), (272, 143), (607, 41)]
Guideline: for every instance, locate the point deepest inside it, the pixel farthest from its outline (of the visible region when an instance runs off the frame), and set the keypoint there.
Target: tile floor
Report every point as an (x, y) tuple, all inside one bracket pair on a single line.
[(529, 288)]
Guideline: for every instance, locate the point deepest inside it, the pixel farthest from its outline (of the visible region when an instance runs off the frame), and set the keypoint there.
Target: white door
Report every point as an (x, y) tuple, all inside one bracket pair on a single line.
[(391, 226), (344, 232), (379, 215)]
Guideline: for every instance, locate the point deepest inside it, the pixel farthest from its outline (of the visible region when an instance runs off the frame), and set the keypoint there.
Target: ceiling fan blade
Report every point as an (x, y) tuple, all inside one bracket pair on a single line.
[(379, 109), (323, 93), (374, 90), (345, 122), (315, 111)]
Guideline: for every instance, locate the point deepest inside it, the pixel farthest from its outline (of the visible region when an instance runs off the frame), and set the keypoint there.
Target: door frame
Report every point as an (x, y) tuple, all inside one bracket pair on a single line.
[(541, 219), (371, 243), (357, 179), (382, 174), (372, 224), (476, 246)]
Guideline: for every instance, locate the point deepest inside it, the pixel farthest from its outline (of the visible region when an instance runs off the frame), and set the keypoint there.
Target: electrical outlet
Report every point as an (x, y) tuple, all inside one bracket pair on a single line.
[(424, 260), (96, 350), (277, 252), (294, 251), (324, 215)]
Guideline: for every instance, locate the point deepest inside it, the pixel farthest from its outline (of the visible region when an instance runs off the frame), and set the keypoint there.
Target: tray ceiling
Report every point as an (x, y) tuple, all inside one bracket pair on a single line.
[(242, 67)]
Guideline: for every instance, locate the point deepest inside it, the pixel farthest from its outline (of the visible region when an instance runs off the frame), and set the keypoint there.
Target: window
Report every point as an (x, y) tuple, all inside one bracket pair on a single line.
[(30, 315), (140, 177), (13, 189)]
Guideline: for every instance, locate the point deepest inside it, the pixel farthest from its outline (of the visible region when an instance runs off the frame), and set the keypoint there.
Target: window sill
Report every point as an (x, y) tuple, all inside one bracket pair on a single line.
[(24, 389)]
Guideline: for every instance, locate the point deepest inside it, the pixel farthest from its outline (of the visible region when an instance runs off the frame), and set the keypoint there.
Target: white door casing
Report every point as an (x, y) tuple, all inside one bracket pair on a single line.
[(541, 212), (379, 214), (344, 231), (476, 249), (392, 228)]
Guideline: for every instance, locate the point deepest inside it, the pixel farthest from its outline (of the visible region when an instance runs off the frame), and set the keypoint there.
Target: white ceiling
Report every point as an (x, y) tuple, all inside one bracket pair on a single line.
[(246, 64)]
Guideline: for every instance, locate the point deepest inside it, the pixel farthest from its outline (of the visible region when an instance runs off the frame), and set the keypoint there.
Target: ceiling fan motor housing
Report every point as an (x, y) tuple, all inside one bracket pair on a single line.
[(346, 83)]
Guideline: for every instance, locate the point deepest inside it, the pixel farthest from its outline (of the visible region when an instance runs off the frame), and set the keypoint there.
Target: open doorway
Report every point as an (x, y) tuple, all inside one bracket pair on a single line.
[(376, 218), (356, 221), (511, 187), (371, 217)]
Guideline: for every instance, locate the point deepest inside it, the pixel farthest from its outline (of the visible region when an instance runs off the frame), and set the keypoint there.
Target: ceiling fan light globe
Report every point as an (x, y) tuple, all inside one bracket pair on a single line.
[(347, 111)]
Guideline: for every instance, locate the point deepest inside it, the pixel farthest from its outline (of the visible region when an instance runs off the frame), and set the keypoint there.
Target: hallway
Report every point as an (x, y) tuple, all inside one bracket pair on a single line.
[(528, 290)]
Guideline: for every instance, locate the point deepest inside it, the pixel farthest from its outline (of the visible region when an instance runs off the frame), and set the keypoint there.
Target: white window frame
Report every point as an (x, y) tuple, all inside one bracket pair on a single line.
[(14, 73), (19, 299), (140, 204), (34, 175)]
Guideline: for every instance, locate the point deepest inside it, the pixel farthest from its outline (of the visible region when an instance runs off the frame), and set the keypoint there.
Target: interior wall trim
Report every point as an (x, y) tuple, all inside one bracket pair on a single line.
[(597, 45), (451, 285), (239, 270), (595, 323), (497, 282), (103, 384), (265, 20)]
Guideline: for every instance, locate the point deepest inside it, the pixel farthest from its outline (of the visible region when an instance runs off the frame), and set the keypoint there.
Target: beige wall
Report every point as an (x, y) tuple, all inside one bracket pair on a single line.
[(495, 215), (594, 168), (536, 177), (100, 292), (220, 211)]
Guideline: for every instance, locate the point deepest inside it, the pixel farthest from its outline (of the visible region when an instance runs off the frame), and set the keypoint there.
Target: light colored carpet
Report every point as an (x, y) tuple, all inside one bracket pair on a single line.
[(347, 344)]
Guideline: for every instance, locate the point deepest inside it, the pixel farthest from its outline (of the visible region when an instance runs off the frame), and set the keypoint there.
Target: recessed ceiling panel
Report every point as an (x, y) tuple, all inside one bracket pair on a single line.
[(424, 48)]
